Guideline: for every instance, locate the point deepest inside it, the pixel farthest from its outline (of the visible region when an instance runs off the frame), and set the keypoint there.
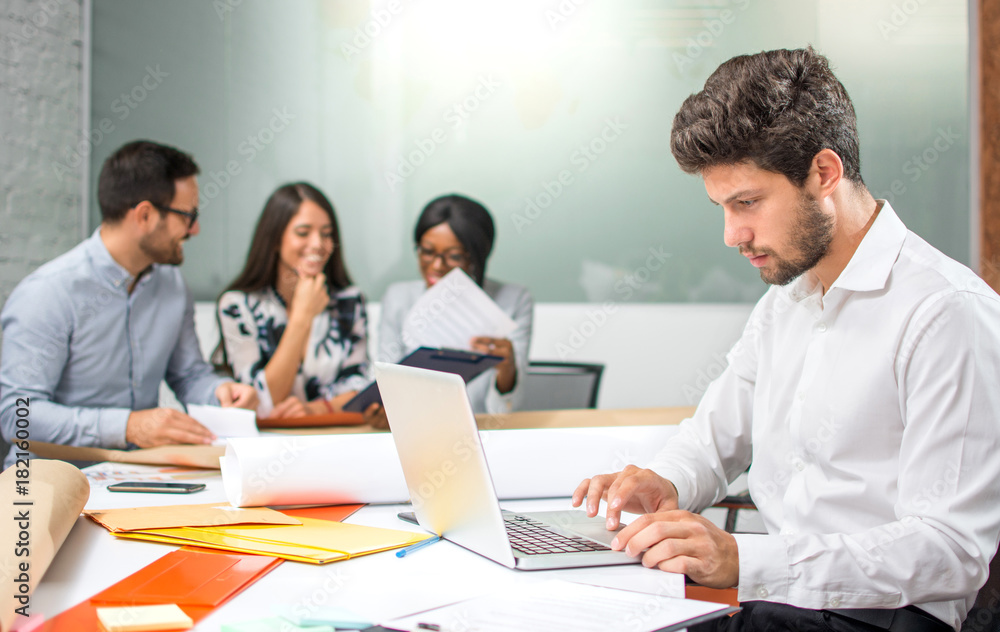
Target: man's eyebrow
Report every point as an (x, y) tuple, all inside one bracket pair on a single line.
[(739, 195)]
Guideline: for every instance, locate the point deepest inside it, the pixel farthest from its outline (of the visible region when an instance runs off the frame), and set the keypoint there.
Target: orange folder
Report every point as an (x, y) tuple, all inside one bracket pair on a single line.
[(197, 580), (336, 513)]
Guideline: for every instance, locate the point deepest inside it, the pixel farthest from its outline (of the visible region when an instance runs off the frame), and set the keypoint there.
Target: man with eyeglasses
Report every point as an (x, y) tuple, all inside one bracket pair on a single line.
[(89, 336)]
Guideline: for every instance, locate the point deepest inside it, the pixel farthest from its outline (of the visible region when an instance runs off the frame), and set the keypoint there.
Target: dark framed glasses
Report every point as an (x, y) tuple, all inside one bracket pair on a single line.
[(449, 259), (192, 215)]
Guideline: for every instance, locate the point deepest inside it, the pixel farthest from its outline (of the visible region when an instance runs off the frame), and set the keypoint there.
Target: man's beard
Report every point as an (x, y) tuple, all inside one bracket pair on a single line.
[(161, 249), (811, 238)]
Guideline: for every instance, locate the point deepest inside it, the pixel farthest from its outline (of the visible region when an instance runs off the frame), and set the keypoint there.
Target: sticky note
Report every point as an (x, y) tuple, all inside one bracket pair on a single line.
[(144, 618)]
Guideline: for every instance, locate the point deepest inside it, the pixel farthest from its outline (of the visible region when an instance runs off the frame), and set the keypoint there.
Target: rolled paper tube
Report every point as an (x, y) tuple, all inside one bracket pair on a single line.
[(55, 494)]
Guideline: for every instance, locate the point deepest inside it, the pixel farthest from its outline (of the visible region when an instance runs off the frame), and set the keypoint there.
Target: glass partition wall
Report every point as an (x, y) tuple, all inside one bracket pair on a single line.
[(555, 114)]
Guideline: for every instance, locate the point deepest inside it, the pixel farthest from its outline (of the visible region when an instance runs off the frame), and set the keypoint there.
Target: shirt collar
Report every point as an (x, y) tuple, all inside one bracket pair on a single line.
[(105, 265), (869, 267)]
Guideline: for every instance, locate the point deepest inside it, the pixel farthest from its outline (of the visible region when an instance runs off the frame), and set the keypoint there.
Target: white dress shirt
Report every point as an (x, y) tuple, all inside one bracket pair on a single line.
[(871, 417)]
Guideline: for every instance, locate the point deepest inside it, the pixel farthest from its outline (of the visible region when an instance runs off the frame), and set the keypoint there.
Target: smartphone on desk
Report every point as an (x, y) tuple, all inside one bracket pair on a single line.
[(157, 488)]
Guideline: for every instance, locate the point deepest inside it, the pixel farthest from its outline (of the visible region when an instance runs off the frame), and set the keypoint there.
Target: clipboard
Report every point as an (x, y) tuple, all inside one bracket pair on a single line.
[(467, 364)]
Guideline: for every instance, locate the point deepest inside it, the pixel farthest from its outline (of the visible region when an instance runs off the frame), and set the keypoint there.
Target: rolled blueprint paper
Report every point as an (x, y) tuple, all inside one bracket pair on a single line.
[(364, 468)]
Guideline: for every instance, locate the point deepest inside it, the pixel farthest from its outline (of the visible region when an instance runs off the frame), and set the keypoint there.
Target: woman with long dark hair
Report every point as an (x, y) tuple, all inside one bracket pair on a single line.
[(454, 231), (291, 322)]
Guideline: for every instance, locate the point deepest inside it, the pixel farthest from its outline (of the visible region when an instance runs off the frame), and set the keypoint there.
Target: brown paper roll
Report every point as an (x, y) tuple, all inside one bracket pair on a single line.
[(57, 493)]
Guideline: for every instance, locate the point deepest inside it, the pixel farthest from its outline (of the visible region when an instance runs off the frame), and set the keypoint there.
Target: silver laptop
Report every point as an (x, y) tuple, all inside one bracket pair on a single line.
[(451, 488)]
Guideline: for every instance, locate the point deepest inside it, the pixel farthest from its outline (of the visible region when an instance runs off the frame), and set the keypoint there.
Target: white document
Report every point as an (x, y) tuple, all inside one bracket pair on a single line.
[(364, 468), (225, 422), (633, 577), (559, 605), (453, 311)]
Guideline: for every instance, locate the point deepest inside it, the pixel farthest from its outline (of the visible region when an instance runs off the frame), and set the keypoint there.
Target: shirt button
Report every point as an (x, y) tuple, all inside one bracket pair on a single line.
[(821, 327), (835, 602), (800, 464), (802, 396), (762, 592)]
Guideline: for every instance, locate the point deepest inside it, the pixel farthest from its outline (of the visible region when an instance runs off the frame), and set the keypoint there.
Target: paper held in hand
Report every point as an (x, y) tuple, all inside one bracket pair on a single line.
[(225, 423), (453, 311)]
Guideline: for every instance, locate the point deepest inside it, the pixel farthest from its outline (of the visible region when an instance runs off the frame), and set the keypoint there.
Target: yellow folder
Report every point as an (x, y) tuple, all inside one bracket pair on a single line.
[(314, 541)]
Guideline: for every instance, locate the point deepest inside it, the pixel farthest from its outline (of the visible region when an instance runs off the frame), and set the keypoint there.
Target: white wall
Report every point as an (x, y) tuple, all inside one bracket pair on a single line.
[(654, 354)]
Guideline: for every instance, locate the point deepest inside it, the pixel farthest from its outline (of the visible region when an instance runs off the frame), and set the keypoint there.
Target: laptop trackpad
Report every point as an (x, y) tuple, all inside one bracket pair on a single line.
[(576, 522)]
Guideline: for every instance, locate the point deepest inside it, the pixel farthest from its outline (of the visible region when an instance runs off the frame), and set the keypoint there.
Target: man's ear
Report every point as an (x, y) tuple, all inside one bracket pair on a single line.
[(144, 215), (825, 174)]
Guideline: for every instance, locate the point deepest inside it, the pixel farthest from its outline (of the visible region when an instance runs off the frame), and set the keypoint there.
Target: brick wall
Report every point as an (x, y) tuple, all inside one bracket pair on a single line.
[(40, 111)]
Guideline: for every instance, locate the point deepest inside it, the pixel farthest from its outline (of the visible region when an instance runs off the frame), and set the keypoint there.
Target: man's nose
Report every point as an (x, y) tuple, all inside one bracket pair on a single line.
[(735, 232)]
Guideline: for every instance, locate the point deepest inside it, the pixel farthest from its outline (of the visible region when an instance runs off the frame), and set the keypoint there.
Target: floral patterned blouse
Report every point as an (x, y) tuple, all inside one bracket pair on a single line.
[(336, 358)]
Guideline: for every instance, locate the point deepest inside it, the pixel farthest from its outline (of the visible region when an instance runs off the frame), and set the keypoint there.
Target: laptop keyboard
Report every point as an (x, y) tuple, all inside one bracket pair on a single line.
[(532, 537)]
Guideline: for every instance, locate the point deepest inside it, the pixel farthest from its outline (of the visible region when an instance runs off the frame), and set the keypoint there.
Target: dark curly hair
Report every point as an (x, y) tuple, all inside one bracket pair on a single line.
[(776, 109)]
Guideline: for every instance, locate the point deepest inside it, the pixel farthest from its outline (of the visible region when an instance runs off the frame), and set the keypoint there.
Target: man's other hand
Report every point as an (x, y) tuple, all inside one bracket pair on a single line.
[(683, 542), (236, 395), (164, 426)]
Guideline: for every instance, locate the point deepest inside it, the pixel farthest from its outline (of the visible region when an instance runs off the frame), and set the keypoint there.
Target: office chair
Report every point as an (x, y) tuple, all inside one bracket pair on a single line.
[(561, 385), (732, 505)]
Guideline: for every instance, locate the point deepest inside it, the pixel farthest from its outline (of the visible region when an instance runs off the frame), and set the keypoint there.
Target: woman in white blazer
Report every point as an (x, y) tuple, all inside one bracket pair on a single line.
[(454, 231)]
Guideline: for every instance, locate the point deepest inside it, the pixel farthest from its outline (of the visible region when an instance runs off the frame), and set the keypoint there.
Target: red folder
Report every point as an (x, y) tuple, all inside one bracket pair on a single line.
[(197, 580)]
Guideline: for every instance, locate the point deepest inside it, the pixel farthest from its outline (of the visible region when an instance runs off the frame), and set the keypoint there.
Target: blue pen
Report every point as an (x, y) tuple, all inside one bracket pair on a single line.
[(418, 545)]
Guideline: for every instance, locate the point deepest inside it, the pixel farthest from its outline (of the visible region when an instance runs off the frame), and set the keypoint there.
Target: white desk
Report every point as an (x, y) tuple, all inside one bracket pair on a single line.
[(379, 586)]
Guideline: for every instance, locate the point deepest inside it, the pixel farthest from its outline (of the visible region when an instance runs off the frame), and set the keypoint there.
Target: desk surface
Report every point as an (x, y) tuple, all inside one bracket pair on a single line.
[(379, 586)]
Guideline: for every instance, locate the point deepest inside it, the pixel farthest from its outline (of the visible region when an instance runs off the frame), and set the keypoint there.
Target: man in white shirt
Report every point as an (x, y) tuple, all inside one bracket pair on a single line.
[(865, 390)]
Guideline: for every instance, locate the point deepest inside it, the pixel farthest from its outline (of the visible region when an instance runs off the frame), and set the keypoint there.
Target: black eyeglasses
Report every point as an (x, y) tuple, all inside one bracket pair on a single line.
[(449, 259), (192, 215)]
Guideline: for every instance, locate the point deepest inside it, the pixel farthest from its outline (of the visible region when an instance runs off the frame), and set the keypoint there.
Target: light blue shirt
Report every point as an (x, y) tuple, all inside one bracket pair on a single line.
[(85, 353)]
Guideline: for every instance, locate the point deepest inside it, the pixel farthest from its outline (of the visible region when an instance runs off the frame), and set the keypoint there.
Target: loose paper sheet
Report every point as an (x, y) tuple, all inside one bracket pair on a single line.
[(559, 605), (633, 577), (453, 311)]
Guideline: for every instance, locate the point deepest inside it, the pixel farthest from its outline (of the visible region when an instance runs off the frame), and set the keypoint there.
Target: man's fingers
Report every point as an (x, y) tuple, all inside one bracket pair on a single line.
[(178, 435), (598, 490), (225, 394), (625, 535), (580, 492), (188, 424), (662, 531), (683, 564), (246, 397), (179, 428)]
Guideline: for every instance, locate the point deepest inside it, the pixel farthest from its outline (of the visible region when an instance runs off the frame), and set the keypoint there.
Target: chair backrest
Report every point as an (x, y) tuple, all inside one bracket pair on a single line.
[(561, 385)]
